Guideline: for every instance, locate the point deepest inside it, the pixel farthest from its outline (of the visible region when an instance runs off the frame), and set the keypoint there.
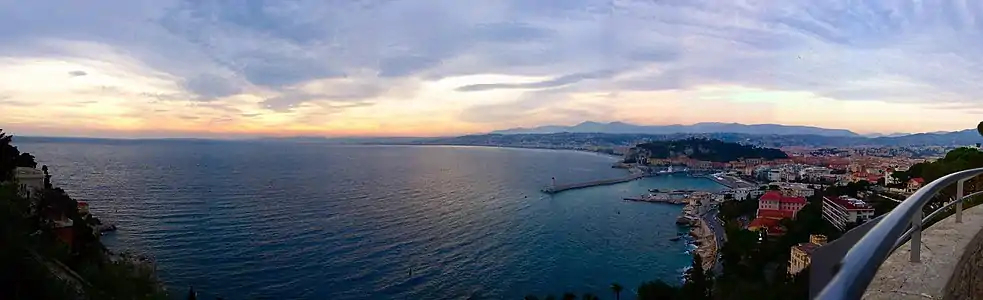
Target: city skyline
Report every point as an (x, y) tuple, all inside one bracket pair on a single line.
[(443, 68)]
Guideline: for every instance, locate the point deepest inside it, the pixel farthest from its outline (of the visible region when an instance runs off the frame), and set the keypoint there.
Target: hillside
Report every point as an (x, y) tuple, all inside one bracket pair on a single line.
[(709, 127), (582, 140), (706, 150)]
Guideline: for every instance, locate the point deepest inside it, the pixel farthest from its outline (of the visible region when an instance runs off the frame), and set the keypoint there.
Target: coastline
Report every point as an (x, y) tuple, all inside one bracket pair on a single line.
[(704, 238)]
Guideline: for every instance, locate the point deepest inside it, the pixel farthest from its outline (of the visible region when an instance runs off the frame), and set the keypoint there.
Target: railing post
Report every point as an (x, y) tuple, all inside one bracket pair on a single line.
[(959, 198), (916, 236)]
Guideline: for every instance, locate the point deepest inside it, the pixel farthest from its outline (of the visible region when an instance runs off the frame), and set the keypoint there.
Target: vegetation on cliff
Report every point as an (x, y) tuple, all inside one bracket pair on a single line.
[(956, 160), (36, 262), (706, 150)]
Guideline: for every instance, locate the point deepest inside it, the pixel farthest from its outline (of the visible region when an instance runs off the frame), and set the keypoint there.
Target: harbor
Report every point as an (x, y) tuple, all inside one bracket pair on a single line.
[(730, 181), (671, 197), (699, 206)]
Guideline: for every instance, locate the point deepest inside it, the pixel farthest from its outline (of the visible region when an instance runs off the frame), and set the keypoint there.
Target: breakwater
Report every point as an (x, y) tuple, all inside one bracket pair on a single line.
[(566, 187)]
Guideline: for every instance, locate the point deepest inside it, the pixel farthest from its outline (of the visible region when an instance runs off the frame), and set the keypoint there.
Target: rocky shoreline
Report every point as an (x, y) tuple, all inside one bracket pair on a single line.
[(703, 236)]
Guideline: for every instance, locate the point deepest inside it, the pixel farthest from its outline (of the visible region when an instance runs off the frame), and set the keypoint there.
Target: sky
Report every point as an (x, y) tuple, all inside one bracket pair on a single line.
[(227, 69)]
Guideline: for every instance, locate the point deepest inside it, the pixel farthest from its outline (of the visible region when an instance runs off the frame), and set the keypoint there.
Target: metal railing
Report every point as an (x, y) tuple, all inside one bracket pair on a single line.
[(857, 269)]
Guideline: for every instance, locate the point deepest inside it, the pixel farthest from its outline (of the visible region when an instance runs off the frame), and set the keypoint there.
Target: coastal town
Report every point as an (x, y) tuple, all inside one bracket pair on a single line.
[(778, 190)]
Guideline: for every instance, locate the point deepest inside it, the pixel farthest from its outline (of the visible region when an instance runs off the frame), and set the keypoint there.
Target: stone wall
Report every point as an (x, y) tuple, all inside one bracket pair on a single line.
[(967, 279), (951, 265)]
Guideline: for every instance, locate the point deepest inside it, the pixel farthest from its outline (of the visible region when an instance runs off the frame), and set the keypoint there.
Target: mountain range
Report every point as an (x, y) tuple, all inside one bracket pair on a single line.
[(707, 127), (573, 140), (622, 134)]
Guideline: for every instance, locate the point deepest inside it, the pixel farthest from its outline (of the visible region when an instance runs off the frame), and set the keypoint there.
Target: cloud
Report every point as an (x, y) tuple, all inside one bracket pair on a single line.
[(478, 64), (555, 82), (209, 87)]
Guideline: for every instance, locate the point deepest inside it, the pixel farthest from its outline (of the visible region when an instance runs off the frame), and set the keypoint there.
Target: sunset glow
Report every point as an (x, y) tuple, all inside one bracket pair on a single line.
[(432, 68)]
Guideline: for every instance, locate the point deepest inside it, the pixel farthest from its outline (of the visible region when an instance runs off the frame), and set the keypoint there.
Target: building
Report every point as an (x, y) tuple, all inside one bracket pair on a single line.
[(772, 227), (30, 182), (774, 175), (83, 208), (62, 227), (915, 183), (802, 253), (796, 189), (889, 177), (740, 194), (841, 211), (772, 208), (775, 200)]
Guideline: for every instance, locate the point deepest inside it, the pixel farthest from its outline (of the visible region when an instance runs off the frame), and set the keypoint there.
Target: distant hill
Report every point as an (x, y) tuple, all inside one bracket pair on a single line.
[(621, 127), (706, 150), (896, 134), (568, 140), (344, 140), (956, 138)]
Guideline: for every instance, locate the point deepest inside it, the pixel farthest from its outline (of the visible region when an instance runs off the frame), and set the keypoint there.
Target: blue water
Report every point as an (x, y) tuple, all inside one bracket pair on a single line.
[(307, 221)]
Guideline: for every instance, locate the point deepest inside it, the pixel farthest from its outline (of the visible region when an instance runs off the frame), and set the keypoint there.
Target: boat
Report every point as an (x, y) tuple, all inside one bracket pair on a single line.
[(675, 239)]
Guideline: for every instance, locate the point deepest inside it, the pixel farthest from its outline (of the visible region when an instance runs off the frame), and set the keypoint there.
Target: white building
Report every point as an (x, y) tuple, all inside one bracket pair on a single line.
[(789, 175), (30, 181), (774, 175), (889, 178), (843, 210)]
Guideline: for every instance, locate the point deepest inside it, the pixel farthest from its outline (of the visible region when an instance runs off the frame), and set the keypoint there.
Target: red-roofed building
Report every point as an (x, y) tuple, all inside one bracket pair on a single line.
[(775, 200), (843, 210), (83, 208), (773, 207), (915, 183), (774, 214), (771, 226)]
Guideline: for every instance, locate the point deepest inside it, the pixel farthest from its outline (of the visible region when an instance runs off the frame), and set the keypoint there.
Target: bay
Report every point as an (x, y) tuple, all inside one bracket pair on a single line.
[(255, 220)]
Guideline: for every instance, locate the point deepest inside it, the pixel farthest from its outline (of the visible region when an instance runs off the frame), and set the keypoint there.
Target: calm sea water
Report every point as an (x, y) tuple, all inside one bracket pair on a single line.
[(258, 220)]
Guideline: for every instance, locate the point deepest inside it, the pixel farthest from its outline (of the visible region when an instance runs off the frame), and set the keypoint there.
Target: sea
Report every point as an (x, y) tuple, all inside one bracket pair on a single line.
[(278, 220)]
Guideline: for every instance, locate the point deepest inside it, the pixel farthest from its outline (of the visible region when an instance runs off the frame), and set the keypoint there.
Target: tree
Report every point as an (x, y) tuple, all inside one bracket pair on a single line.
[(531, 297), (25, 160), (192, 295), (47, 177), (657, 290), (589, 296), (11, 158), (569, 296), (616, 288), (979, 128), (698, 282), (8, 155)]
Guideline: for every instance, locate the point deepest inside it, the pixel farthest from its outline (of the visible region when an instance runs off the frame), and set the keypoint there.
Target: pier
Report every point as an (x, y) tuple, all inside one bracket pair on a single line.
[(655, 199), (730, 181), (556, 188)]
